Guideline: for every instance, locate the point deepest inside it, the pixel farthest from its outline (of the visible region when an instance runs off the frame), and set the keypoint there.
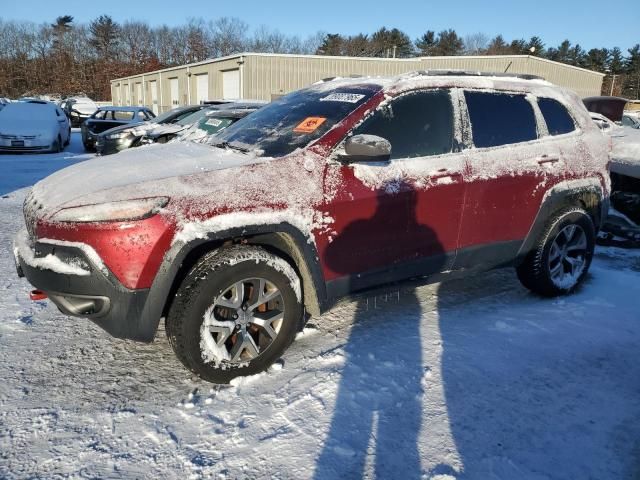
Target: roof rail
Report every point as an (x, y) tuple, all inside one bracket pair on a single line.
[(471, 73)]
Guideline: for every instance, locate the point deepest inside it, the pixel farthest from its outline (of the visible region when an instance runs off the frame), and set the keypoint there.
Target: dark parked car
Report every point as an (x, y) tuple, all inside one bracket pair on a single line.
[(127, 136), (109, 117), (168, 132), (78, 109)]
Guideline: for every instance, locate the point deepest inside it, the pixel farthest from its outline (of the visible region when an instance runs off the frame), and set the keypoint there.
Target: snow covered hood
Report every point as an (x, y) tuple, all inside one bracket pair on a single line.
[(27, 119), (98, 179)]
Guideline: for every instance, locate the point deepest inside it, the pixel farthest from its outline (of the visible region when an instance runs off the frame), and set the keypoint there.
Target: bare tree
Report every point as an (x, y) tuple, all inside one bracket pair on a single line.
[(228, 36), (476, 43)]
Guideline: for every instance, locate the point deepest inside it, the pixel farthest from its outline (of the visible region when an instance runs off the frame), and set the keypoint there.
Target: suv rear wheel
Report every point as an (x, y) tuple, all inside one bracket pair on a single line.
[(236, 312), (560, 260)]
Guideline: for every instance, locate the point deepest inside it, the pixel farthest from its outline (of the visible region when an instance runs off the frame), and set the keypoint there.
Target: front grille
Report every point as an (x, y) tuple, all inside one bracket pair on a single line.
[(30, 210), (17, 137)]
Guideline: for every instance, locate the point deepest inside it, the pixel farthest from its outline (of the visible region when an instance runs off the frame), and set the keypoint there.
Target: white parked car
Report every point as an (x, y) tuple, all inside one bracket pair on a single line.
[(37, 126)]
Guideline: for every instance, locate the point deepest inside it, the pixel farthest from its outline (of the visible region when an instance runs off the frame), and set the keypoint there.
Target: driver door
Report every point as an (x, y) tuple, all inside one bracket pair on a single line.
[(399, 218)]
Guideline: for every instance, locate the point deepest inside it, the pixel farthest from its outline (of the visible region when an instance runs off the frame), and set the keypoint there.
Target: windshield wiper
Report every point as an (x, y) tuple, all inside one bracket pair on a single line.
[(232, 147)]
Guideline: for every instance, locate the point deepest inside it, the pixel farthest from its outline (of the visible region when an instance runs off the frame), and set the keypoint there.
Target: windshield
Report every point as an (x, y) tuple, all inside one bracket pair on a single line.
[(192, 118), (206, 127), (296, 120)]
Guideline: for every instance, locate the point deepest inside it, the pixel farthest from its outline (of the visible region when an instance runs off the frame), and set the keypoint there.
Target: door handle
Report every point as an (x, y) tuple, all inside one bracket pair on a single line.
[(547, 159)]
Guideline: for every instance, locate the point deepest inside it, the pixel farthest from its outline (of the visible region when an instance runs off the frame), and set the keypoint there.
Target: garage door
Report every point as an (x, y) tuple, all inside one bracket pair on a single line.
[(153, 88), (139, 93), (174, 92), (231, 84), (202, 88)]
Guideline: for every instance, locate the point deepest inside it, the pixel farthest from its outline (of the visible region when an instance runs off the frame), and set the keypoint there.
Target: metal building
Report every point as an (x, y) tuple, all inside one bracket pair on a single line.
[(263, 76)]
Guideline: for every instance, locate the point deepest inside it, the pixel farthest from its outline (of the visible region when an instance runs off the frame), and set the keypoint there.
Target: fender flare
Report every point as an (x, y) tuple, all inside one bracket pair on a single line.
[(281, 238), (587, 193)]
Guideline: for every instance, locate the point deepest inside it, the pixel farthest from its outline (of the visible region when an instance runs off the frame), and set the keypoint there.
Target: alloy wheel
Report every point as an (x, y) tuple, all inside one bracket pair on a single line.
[(242, 322), (568, 256)]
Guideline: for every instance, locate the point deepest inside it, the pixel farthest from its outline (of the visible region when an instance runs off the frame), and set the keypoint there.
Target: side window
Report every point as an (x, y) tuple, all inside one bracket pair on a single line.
[(556, 116), (500, 118), (100, 115), (417, 124)]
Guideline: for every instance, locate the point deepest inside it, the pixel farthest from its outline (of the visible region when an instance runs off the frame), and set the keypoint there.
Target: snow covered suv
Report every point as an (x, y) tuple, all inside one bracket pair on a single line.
[(342, 186)]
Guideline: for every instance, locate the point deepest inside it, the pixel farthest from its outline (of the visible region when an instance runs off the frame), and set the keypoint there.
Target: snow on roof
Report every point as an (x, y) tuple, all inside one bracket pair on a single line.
[(123, 109)]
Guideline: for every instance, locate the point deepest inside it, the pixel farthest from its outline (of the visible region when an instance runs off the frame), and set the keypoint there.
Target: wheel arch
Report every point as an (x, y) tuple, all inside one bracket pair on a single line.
[(282, 239), (585, 193)]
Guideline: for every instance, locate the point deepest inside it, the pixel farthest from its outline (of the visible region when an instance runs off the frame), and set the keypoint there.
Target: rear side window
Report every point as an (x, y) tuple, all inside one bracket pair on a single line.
[(122, 115), (556, 116), (500, 118), (416, 124)]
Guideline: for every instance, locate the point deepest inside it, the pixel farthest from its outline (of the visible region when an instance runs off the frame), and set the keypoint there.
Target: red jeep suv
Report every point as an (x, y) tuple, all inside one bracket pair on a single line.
[(339, 187)]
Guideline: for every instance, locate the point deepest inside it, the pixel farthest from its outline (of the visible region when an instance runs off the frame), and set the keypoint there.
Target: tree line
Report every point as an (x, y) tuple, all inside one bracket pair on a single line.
[(65, 57)]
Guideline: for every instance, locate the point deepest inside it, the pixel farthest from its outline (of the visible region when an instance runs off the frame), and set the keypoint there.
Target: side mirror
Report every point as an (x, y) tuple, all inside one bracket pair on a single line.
[(366, 148)]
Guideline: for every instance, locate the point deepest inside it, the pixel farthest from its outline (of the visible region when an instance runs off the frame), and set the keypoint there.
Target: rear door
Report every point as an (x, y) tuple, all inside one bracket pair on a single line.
[(401, 218), (509, 170)]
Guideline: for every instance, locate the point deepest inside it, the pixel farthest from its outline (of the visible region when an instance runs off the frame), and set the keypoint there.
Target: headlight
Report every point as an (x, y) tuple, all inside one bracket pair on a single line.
[(112, 211), (116, 136)]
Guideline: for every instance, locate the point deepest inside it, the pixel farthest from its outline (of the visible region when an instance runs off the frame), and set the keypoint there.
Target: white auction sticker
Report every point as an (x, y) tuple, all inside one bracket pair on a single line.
[(343, 97), (214, 122)]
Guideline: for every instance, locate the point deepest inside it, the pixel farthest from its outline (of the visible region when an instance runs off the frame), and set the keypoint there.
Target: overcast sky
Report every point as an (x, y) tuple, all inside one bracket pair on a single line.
[(587, 22)]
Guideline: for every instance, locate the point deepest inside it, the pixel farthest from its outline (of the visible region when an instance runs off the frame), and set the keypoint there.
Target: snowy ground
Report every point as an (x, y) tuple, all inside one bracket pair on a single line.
[(471, 379)]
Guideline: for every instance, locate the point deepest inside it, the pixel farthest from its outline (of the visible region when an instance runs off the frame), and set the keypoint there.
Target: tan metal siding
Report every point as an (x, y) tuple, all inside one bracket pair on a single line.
[(263, 76)]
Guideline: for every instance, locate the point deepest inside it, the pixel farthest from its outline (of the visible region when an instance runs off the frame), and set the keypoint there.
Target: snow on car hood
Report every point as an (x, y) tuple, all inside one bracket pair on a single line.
[(95, 180), (27, 120), (158, 130), (85, 108)]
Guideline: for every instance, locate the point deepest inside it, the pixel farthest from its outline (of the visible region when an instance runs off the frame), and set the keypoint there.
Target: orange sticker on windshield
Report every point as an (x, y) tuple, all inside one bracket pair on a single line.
[(309, 124)]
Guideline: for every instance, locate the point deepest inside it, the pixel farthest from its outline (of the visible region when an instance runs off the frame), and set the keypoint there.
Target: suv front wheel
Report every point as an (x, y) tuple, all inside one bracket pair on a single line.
[(560, 260), (236, 312)]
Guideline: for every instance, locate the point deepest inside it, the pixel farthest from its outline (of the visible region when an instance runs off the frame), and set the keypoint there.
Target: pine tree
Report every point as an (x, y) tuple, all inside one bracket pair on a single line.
[(427, 44), (331, 45), (537, 45), (616, 63), (449, 43), (387, 43), (104, 36), (497, 46), (597, 59), (519, 47)]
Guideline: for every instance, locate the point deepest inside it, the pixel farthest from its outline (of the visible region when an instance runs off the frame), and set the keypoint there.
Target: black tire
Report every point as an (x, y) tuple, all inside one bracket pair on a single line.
[(66, 144), (535, 270), (57, 145), (212, 275)]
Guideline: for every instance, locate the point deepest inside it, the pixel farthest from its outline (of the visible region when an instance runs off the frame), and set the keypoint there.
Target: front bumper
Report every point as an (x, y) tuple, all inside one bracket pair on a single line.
[(105, 146), (23, 145), (79, 287)]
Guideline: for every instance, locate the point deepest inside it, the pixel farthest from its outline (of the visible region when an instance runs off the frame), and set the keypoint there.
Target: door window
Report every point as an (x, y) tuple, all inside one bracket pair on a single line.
[(417, 124), (556, 116), (500, 118)]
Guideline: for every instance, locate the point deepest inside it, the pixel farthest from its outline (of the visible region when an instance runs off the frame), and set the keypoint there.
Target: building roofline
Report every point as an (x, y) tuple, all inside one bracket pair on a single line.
[(338, 57)]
